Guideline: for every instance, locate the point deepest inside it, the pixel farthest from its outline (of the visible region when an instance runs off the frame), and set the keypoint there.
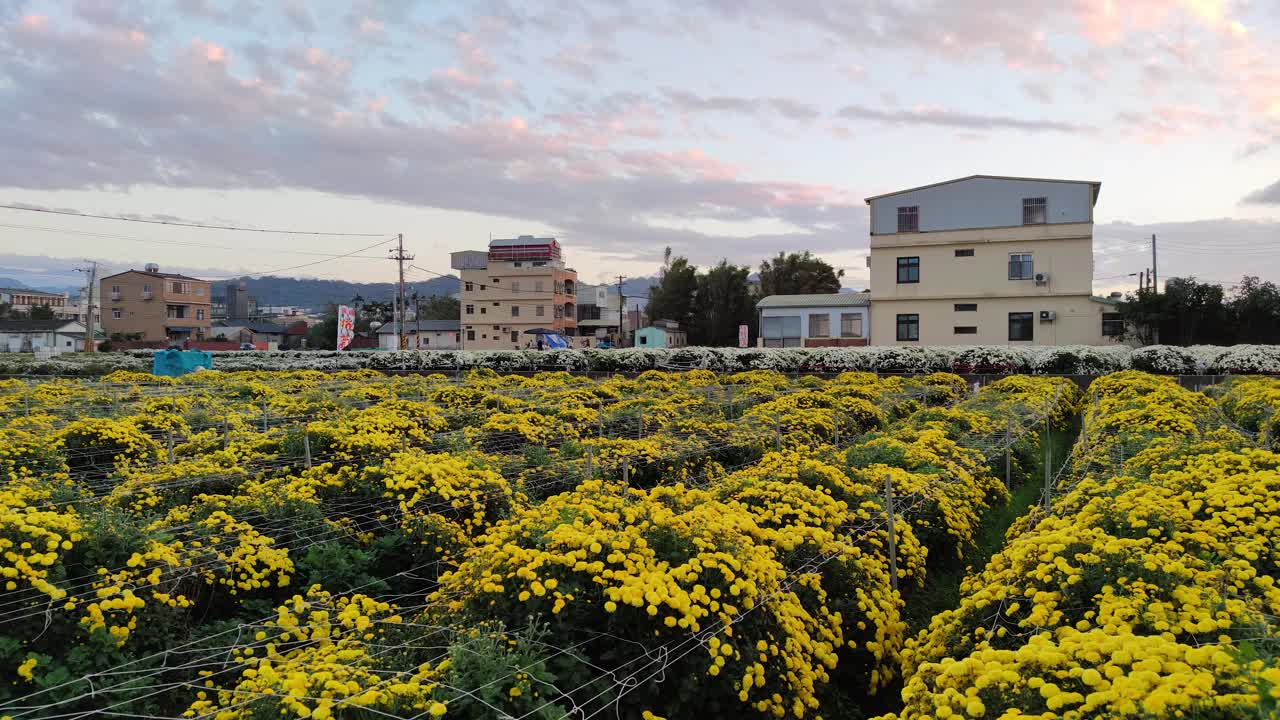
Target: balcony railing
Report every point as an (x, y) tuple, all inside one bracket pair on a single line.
[(115, 295), (146, 295)]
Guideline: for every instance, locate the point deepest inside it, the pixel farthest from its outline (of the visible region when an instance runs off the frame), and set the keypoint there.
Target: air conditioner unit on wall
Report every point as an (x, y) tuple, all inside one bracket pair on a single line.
[(1042, 278), (1048, 315)]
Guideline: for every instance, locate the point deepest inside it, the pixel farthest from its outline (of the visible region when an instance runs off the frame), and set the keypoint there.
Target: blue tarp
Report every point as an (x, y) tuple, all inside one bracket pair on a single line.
[(552, 341), (173, 363)]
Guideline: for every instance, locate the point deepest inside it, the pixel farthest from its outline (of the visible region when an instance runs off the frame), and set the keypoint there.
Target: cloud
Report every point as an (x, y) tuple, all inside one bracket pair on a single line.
[(1269, 195), (582, 61), (187, 119), (938, 117), (790, 108), (299, 16)]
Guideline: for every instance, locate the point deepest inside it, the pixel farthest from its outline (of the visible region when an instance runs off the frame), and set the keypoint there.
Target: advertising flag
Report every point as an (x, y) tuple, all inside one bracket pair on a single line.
[(346, 326)]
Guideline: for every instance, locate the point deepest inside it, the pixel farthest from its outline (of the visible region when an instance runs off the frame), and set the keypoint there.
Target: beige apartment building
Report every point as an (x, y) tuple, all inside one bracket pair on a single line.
[(518, 284), (158, 306), (987, 260)]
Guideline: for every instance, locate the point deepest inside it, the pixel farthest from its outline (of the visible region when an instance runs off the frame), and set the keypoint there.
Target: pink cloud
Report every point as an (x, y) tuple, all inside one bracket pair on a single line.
[(211, 52), (370, 27), (35, 23)]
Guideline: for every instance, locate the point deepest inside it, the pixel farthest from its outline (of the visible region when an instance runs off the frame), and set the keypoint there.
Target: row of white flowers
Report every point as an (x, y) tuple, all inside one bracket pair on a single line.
[(1069, 359)]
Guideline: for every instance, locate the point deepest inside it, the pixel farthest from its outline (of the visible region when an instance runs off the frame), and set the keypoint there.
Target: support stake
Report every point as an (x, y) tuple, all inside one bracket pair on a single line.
[(1008, 453), (626, 472), (777, 431), (1048, 459), (591, 472), (169, 443), (306, 447), (835, 414), (893, 532)]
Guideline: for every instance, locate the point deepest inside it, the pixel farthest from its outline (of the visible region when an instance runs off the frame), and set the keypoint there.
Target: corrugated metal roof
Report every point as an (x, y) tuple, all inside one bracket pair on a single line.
[(1097, 185), (427, 326), (522, 240), (822, 300)]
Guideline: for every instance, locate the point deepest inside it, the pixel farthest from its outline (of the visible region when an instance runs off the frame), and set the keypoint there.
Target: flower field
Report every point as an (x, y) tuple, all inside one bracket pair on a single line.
[(304, 544)]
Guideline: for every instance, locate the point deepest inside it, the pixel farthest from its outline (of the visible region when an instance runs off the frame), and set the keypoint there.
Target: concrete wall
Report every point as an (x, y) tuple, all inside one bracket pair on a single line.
[(833, 319), (150, 317), (492, 304), (1079, 321), (1067, 258), (983, 203)]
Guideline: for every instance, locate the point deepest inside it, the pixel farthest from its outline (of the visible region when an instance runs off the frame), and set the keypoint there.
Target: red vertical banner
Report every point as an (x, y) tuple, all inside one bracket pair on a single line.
[(743, 336), (346, 326)]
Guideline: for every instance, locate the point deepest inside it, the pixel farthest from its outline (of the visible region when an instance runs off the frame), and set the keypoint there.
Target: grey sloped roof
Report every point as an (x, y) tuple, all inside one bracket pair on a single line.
[(427, 326), (25, 326), (821, 300)]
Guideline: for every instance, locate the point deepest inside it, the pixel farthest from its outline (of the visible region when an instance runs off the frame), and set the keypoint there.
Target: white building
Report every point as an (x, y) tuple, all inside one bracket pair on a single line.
[(58, 336), (822, 320), (434, 335)]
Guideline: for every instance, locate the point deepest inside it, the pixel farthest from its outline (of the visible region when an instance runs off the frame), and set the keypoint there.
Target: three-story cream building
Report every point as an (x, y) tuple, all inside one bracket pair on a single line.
[(987, 260), (519, 284)]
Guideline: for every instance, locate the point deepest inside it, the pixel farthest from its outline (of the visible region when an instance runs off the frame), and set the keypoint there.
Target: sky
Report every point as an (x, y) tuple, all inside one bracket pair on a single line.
[(721, 128)]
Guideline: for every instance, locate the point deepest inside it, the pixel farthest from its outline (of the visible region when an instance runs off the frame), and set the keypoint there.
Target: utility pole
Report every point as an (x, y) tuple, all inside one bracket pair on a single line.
[(417, 322), (400, 258), (1154, 286), (92, 272), (622, 315), (1142, 281)]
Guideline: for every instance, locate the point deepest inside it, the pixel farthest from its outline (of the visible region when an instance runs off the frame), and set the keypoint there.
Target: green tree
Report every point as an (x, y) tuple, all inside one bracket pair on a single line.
[(723, 302), (1193, 313), (673, 297), (440, 307), (324, 334), (798, 274), (40, 312), (1256, 307)]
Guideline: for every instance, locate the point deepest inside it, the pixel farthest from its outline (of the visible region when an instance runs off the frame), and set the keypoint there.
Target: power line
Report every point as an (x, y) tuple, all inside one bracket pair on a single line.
[(177, 223), (508, 289), (317, 262), (183, 243)]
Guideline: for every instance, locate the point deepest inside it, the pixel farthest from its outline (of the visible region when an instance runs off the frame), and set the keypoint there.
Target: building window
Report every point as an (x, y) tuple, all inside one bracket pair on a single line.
[(1112, 324), (908, 270), (539, 263), (515, 286), (116, 314), (1021, 326), (909, 327), (483, 310), (781, 331), (515, 311), (199, 314), (115, 289), (518, 263), (177, 312), (515, 336), (966, 307), (819, 325), (1021, 267), (644, 340), (540, 310), (470, 310), (964, 252), (199, 291), (494, 280), (469, 286), (146, 288), (966, 329), (909, 219), (537, 285), (483, 286), (1035, 211), (851, 325)]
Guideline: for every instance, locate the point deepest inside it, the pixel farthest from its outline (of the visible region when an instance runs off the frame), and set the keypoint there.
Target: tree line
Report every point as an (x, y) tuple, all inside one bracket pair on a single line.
[(1190, 312), (711, 304)]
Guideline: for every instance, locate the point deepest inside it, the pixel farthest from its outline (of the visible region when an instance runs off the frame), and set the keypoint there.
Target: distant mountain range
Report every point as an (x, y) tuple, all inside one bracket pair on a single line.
[(317, 294), (8, 282)]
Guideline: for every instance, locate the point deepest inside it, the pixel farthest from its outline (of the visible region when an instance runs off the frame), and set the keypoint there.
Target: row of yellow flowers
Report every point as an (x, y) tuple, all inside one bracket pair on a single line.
[(1130, 597)]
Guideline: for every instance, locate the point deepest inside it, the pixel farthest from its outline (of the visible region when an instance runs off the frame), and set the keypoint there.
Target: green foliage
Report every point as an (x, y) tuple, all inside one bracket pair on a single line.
[(798, 274), (673, 297), (508, 671)]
